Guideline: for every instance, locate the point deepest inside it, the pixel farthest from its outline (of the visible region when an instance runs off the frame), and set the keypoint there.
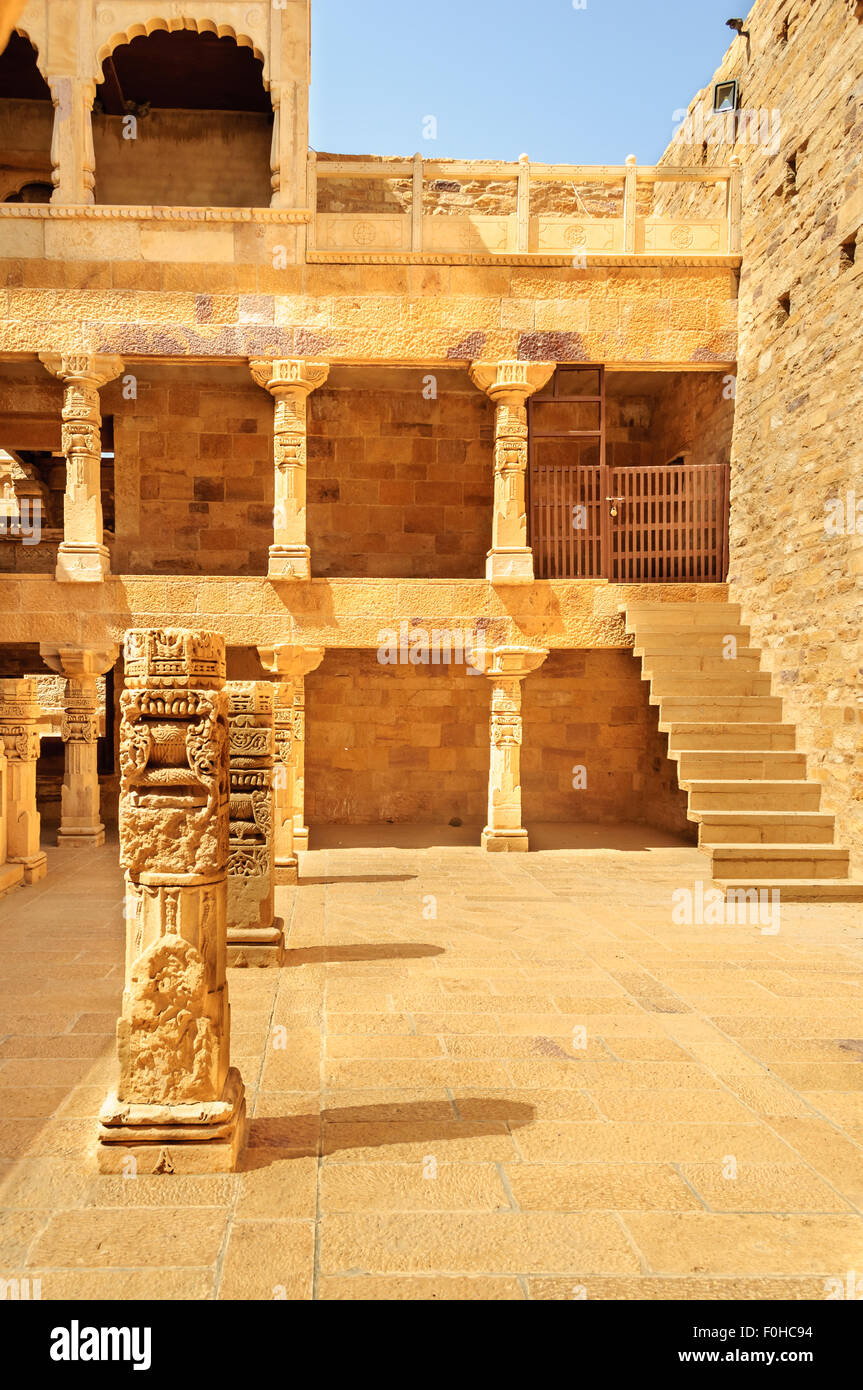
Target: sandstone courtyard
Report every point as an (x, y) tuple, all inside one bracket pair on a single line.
[(433, 1123)]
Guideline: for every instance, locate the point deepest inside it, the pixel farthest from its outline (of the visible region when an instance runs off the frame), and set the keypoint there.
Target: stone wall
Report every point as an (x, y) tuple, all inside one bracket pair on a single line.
[(587, 718), (395, 743), (799, 410), (185, 159), (693, 414), (400, 486), (26, 128)]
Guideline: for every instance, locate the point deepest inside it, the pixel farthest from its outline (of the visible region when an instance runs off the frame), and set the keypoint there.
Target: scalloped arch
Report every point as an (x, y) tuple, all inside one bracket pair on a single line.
[(144, 28), (35, 42)]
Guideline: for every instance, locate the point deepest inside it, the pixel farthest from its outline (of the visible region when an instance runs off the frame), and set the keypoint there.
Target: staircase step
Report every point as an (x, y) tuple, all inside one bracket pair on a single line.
[(731, 709), (660, 641), (703, 687), (707, 794), (741, 764), (712, 664), (764, 828), (692, 616), (790, 890), (747, 862), (707, 736)]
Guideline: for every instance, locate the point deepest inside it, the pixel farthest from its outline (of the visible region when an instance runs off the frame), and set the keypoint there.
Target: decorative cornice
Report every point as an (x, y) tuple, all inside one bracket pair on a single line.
[(587, 262), (108, 212)]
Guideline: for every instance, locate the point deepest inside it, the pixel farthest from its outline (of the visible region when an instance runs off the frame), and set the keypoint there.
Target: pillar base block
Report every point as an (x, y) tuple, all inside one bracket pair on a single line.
[(301, 839), (11, 876), (35, 866), (509, 566), (81, 837), (262, 947), (82, 564), (200, 1137), (287, 872), (505, 841), (290, 562)]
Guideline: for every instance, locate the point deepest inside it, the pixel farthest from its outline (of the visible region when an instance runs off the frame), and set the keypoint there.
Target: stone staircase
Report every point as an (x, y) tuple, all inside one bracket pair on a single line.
[(759, 816)]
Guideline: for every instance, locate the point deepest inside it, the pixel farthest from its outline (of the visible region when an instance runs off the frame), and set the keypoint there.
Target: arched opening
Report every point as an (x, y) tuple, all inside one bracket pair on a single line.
[(183, 119), (26, 125)]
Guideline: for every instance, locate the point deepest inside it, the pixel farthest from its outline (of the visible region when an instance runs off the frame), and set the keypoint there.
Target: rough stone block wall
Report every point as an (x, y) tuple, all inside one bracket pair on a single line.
[(395, 743), (694, 414), (185, 159), (400, 486), (799, 409), (590, 710)]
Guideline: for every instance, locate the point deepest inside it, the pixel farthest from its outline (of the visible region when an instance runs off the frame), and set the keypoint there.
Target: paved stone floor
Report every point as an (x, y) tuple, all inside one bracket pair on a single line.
[(477, 1077)]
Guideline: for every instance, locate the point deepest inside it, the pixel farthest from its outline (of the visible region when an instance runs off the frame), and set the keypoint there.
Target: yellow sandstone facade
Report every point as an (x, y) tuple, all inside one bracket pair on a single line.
[(366, 416)]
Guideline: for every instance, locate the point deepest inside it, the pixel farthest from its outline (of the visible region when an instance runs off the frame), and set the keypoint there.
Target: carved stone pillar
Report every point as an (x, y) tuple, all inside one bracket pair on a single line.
[(506, 667), (289, 665), (80, 822), (10, 874), (179, 1105), (509, 384), (83, 555), (72, 155), (255, 937), (19, 731), (290, 382)]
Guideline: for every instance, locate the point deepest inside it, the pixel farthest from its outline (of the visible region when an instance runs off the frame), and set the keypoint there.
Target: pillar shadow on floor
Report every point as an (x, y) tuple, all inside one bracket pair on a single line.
[(405, 835), (377, 1126), (339, 955)]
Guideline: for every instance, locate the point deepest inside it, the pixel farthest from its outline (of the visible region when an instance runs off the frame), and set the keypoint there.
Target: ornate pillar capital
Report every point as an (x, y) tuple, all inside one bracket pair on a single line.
[(290, 662), (509, 663), (288, 374), (79, 663), (93, 368), (511, 382)]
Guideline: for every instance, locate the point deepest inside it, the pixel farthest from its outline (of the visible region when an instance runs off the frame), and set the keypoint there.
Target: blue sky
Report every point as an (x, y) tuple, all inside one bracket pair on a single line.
[(503, 77)]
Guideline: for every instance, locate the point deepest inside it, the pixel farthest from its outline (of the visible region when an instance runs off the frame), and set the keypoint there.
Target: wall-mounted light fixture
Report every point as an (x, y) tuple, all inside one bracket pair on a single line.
[(726, 96)]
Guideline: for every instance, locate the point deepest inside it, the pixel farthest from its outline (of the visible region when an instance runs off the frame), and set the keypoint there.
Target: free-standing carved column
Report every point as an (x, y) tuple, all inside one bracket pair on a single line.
[(254, 936), (19, 730), (179, 1105), (83, 555), (289, 665), (509, 384), (80, 822), (506, 667), (290, 382), (10, 874)]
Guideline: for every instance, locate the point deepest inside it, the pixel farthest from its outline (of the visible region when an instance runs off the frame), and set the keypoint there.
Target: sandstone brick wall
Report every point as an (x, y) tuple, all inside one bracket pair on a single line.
[(590, 709), (193, 474), (185, 159), (400, 486), (399, 743), (799, 409)]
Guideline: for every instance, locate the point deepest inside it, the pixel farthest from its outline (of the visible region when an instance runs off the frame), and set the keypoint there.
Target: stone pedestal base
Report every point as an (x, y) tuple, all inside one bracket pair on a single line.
[(301, 839), (34, 867), (509, 567), (290, 562), (202, 1137), (82, 564), (261, 947), (82, 838), (287, 873), (11, 876), (505, 841)]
